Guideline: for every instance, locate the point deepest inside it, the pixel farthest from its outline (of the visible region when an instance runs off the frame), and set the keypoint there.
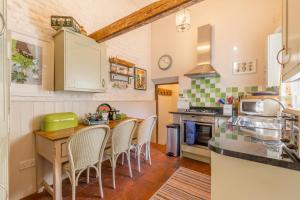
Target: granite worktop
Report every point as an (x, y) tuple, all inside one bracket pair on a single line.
[(253, 144)]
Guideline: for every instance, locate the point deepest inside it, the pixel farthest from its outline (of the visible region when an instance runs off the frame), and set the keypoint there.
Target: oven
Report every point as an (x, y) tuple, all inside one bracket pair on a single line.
[(204, 133), (204, 129)]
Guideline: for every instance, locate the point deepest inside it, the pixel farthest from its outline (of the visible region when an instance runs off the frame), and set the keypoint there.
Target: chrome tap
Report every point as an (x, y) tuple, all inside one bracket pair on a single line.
[(279, 102)]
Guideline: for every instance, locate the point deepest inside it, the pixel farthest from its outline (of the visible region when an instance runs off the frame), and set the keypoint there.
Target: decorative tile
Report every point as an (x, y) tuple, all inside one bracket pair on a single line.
[(207, 91)]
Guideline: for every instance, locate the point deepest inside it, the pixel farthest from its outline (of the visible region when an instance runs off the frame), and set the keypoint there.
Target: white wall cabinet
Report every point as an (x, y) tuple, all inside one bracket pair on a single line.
[(273, 68), (81, 63), (291, 40)]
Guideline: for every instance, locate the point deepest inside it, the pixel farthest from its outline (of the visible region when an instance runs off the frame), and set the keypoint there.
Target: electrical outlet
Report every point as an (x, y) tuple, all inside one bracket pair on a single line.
[(26, 164)]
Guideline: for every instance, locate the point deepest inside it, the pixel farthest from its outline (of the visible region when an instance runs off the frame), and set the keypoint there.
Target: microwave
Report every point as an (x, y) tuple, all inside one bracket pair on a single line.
[(260, 106)]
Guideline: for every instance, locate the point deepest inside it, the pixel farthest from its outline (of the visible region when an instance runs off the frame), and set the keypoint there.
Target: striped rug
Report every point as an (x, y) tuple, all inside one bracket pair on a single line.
[(185, 184)]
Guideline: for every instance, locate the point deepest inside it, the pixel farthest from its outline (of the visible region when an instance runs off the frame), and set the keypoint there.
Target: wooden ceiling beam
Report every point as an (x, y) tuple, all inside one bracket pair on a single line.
[(146, 15)]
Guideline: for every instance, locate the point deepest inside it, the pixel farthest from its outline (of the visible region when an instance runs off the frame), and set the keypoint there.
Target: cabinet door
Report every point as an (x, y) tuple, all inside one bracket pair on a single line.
[(82, 64), (273, 67), (291, 36)]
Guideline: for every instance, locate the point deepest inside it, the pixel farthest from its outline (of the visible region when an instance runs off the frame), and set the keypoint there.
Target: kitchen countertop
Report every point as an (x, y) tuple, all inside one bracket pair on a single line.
[(258, 145)]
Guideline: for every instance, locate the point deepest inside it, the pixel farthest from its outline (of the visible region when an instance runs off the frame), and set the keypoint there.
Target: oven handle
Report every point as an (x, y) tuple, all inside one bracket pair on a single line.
[(199, 123)]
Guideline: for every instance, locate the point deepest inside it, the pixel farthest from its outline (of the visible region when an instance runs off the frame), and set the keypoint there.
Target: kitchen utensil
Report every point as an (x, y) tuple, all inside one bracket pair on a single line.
[(104, 107), (229, 100), (222, 101)]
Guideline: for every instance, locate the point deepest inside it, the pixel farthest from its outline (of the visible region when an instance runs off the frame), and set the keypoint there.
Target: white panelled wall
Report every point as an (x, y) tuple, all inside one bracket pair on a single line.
[(32, 18)]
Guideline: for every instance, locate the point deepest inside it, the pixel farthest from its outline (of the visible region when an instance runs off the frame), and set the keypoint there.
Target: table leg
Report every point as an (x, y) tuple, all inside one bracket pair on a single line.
[(39, 173), (57, 182)]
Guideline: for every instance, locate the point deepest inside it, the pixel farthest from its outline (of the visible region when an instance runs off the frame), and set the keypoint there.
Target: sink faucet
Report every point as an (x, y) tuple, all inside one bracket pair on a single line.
[(279, 102)]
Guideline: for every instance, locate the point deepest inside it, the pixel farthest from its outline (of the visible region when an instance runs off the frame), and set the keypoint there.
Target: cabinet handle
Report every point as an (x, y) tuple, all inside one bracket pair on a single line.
[(278, 54), (103, 82), (3, 25)]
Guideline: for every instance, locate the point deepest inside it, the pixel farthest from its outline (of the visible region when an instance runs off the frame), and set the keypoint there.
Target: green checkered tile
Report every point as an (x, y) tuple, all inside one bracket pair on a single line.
[(229, 89), (240, 94), (207, 91), (254, 89), (235, 89)]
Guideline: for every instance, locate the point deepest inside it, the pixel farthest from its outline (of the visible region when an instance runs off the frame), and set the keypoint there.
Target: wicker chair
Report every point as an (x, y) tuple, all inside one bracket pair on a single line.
[(144, 133), (121, 140), (85, 150)]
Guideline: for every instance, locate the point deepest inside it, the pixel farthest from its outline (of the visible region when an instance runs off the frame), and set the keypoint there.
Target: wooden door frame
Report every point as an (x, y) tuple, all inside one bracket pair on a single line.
[(156, 100)]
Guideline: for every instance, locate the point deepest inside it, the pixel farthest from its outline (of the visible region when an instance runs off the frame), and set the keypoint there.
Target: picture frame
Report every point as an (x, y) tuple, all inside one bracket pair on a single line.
[(244, 67), (140, 78), (38, 76)]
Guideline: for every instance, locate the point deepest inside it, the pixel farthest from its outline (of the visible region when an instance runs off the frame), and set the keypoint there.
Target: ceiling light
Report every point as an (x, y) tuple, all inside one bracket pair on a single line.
[(183, 20)]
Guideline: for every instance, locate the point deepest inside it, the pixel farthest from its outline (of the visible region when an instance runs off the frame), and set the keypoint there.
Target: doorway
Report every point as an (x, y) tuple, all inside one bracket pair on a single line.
[(166, 96)]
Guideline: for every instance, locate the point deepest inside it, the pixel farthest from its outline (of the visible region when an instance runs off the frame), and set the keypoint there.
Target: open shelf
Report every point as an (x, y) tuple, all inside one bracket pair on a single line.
[(121, 74)]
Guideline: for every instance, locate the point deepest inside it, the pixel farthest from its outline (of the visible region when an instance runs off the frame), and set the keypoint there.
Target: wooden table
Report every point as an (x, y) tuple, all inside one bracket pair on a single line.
[(52, 146)]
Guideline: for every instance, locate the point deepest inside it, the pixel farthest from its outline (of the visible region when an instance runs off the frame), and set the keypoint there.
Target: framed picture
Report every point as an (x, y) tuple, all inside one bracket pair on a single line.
[(244, 67), (140, 79), (31, 65)]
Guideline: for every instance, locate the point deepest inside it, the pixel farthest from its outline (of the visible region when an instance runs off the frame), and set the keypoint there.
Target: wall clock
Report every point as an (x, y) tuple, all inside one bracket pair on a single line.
[(165, 62)]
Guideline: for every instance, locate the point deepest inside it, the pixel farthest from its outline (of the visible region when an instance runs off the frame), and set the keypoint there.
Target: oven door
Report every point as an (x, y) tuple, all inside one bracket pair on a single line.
[(204, 132)]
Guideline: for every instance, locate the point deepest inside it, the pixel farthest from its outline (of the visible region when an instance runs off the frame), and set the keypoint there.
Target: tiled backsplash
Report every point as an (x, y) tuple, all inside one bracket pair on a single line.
[(207, 91)]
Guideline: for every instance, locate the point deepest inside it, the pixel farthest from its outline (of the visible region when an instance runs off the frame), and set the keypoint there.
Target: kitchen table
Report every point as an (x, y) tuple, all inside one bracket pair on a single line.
[(52, 146)]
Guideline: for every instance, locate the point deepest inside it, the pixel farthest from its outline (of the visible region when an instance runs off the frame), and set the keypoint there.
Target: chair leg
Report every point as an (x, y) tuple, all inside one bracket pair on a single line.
[(73, 183), (146, 151), (113, 166), (88, 176), (129, 164), (139, 158), (122, 159), (135, 152), (149, 157), (100, 180)]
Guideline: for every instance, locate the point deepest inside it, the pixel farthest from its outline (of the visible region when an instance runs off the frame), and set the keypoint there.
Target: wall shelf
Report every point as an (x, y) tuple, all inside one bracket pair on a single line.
[(121, 74), (121, 70)]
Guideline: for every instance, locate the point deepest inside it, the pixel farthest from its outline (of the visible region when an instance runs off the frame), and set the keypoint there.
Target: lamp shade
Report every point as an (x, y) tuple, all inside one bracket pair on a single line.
[(183, 20)]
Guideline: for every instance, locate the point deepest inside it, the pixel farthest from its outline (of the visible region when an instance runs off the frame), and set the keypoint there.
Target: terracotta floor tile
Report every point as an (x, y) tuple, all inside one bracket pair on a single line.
[(141, 187)]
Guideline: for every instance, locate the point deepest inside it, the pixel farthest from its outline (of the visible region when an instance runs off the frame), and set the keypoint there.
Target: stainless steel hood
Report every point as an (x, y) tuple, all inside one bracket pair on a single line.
[(203, 68)]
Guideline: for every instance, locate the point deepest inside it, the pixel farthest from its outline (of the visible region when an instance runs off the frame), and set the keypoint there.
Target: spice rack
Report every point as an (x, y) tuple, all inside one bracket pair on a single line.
[(121, 72)]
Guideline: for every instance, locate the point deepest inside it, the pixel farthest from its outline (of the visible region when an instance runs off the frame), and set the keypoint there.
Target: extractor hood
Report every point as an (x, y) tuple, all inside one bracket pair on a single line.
[(203, 68)]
